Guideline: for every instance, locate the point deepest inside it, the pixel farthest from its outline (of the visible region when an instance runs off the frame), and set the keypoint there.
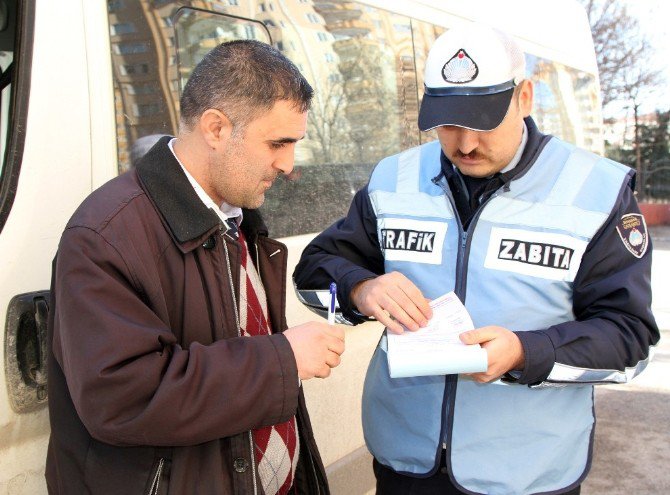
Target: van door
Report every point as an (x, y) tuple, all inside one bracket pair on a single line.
[(81, 83)]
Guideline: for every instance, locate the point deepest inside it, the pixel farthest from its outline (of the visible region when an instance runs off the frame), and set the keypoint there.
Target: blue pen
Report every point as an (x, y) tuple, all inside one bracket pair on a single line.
[(331, 307)]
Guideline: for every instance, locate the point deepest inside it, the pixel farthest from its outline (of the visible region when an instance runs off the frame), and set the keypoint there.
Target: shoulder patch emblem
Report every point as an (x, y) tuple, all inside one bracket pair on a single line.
[(633, 232)]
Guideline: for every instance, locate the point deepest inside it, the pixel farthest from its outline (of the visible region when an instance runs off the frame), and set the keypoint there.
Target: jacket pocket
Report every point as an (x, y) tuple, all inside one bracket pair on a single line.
[(159, 477)]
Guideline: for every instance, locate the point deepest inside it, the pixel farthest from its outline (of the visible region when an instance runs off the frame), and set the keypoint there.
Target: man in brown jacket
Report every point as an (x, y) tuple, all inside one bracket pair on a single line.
[(171, 370)]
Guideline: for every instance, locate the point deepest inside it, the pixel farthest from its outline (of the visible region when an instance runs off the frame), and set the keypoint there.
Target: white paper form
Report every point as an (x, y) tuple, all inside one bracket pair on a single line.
[(436, 348)]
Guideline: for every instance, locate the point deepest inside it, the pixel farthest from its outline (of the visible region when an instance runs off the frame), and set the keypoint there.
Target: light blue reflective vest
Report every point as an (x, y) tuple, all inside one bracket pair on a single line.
[(515, 267)]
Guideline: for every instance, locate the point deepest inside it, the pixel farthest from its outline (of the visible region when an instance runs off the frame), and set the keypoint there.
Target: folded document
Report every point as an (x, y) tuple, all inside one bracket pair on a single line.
[(436, 348)]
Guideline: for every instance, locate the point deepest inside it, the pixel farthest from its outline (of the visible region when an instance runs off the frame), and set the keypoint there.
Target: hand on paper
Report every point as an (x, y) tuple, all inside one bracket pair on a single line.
[(393, 300), (317, 348), (503, 347)]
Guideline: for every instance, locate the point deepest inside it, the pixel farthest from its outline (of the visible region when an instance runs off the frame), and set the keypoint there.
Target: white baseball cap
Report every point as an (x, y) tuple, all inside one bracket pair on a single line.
[(471, 72)]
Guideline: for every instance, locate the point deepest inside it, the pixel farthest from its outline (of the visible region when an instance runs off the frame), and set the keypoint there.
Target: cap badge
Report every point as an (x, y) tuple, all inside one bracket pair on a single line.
[(460, 68)]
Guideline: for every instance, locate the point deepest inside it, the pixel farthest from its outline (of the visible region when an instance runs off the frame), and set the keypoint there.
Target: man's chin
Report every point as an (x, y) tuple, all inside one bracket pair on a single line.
[(254, 203)]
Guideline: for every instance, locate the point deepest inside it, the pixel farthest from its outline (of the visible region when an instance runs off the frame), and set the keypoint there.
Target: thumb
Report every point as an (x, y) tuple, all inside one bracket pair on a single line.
[(469, 337), (477, 336)]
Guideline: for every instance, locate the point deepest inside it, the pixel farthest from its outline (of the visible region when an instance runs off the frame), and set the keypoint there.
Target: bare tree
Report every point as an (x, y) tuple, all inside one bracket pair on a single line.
[(328, 122), (624, 57), (624, 54)]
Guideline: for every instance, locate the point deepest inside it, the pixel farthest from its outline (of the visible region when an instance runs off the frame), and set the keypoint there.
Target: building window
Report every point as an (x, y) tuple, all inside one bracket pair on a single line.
[(134, 69), (122, 28), (130, 48), (167, 21), (330, 57), (250, 31), (322, 36), (140, 89), (114, 5), (146, 109), (312, 17), (234, 3)]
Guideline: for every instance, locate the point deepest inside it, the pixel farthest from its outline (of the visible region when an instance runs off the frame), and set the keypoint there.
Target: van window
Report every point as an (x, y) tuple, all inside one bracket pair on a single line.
[(154, 47), (198, 31), (567, 103), (15, 60), (359, 60), (424, 35)]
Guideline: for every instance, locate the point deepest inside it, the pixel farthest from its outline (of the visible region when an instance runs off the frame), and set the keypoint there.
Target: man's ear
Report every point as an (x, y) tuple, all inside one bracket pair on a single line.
[(215, 127), (526, 97)]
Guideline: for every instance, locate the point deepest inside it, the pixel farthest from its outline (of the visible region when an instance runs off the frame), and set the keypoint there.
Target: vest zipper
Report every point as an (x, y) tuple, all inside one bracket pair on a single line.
[(459, 284), (464, 245), (155, 483), (239, 334), (460, 287)]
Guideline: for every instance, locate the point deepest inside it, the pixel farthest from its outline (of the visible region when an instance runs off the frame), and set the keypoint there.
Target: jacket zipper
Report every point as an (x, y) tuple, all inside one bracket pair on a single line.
[(311, 462), (239, 334), (155, 483)]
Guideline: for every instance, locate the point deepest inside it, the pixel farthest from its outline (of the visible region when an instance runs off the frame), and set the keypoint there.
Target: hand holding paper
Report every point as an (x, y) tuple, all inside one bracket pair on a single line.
[(503, 347), (437, 349)]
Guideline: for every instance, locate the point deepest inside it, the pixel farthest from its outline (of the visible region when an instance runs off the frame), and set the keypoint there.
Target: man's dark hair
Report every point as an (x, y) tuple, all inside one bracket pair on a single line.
[(242, 79)]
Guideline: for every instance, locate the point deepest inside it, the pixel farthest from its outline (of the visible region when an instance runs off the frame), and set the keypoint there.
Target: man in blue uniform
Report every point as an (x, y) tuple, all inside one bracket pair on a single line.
[(545, 245)]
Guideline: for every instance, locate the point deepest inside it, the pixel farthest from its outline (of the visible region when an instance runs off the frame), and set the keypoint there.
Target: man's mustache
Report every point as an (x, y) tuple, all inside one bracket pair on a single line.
[(473, 155)]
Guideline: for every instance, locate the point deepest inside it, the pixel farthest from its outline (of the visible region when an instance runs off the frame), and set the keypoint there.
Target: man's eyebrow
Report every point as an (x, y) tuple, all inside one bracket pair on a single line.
[(286, 140)]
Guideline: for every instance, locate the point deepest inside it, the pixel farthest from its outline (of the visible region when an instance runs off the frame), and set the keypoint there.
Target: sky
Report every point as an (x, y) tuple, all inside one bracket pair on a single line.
[(654, 18)]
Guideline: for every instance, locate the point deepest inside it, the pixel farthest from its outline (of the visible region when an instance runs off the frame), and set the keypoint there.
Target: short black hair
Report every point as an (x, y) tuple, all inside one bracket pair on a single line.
[(242, 79)]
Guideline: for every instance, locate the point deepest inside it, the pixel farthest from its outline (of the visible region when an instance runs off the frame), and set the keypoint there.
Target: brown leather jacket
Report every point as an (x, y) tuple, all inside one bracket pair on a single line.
[(151, 390)]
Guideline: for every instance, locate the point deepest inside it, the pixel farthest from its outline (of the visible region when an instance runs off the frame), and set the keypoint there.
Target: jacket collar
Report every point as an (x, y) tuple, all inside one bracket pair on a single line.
[(186, 215)]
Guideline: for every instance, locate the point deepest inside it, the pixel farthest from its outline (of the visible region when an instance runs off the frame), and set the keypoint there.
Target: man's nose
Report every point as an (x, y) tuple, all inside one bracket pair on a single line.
[(467, 140), (284, 161)]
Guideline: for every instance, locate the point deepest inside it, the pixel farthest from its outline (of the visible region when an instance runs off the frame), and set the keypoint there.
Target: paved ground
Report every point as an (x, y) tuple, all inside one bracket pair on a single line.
[(632, 447)]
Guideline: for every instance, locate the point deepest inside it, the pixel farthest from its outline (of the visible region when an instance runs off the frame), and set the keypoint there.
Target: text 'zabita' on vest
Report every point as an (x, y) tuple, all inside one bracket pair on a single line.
[(549, 255)]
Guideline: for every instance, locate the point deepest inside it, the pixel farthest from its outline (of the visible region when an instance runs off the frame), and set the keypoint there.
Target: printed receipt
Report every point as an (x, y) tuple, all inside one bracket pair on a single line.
[(436, 349)]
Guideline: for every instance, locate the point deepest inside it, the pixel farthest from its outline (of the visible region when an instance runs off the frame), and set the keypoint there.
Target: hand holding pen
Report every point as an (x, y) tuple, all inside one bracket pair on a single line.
[(317, 346)]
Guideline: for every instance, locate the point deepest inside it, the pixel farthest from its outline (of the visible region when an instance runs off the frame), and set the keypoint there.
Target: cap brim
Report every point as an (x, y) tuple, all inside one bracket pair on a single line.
[(476, 112)]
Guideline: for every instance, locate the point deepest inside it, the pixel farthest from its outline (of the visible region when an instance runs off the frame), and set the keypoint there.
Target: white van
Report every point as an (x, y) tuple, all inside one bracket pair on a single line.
[(83, 81)]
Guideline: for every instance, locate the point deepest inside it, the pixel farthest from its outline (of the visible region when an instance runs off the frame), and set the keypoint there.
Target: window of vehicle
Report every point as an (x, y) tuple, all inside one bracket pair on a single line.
[(155, 46), (364, 109), (566, 104)]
